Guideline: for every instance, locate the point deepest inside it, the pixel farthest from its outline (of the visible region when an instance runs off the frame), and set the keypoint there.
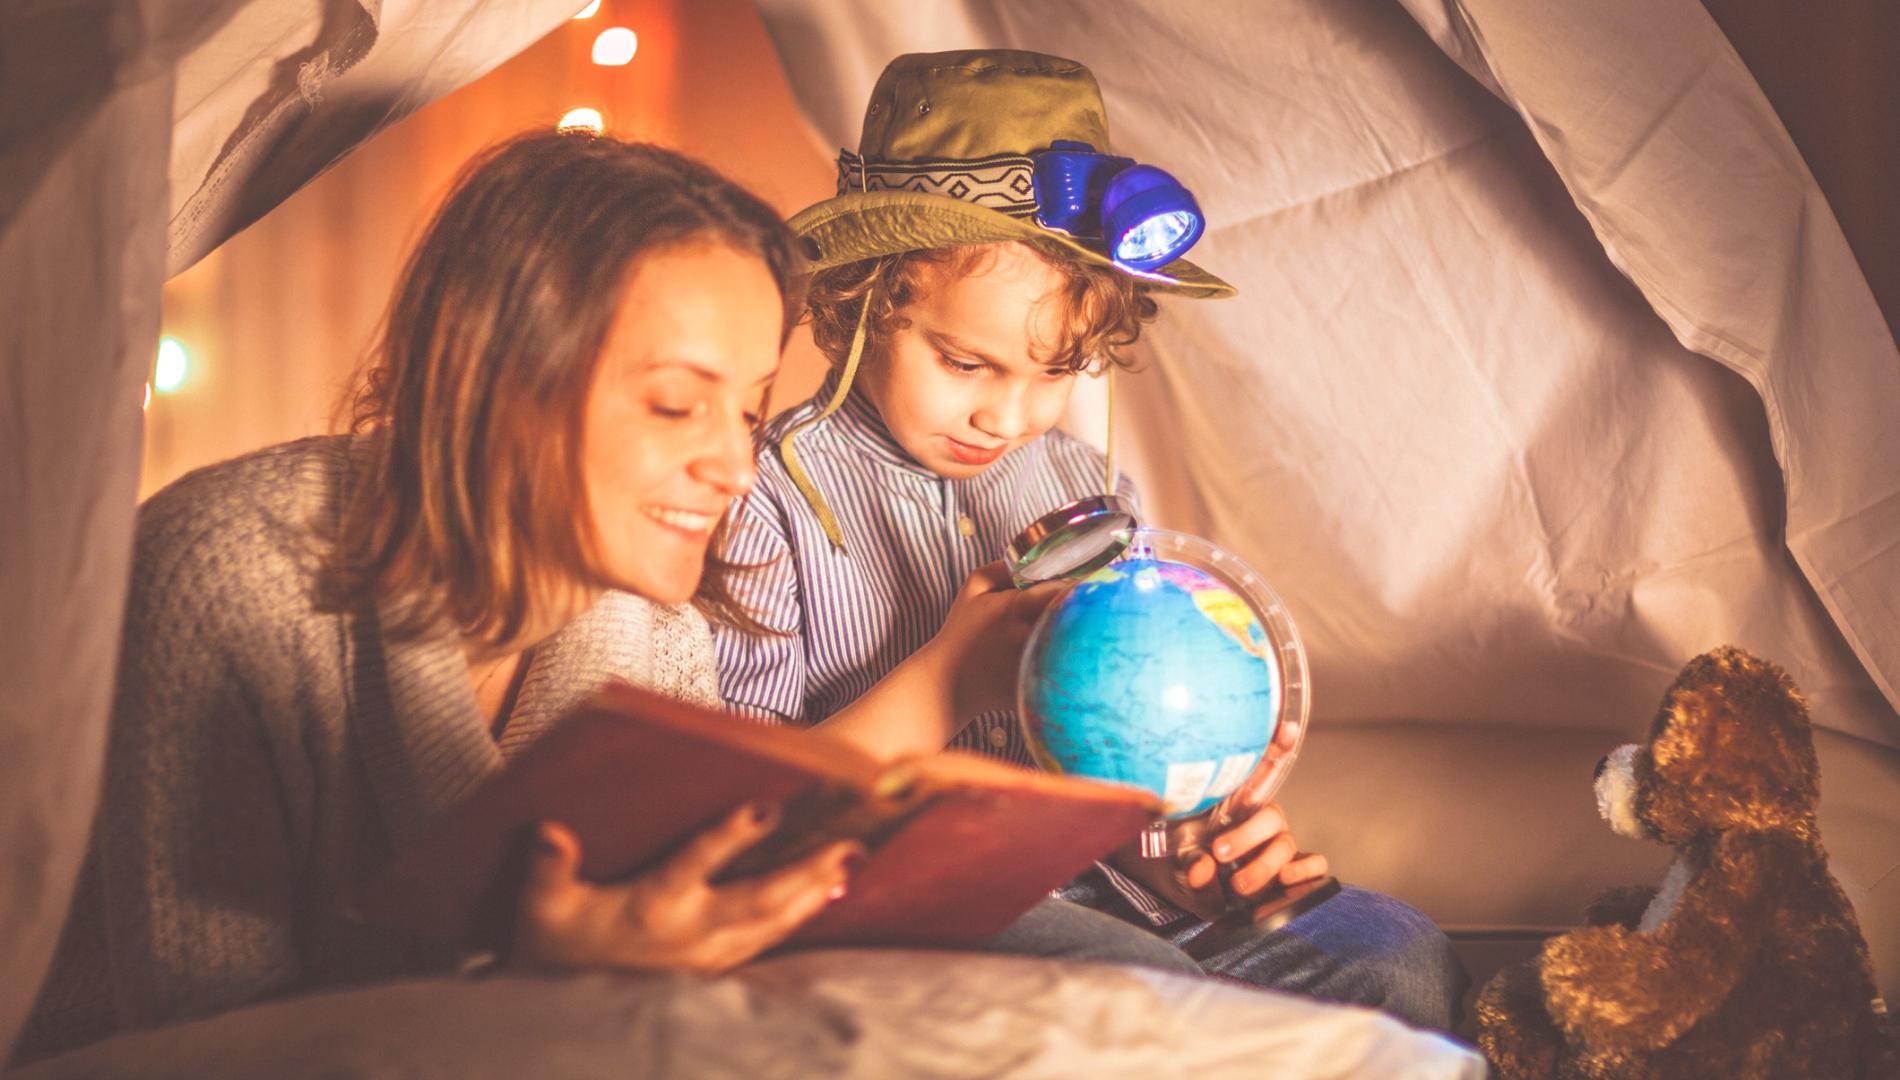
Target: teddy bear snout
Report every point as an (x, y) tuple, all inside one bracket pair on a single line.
[(1616, 792)]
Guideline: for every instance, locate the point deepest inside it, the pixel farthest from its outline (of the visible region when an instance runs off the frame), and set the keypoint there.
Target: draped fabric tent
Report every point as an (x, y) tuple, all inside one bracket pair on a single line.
[(1552, 367)]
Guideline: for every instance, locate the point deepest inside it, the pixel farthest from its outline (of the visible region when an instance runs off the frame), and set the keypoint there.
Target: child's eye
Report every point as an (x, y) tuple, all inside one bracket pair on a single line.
[(959, 366), (1057, 372)]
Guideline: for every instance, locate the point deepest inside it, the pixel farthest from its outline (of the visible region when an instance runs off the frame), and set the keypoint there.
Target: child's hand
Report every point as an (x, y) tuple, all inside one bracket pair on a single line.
[(1262, 851), (967, 669), (982, 639), (673, 917), (1260, 846)]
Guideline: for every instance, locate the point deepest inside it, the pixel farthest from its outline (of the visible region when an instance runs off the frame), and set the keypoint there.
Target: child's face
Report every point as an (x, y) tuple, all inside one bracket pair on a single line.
[(972, 376)]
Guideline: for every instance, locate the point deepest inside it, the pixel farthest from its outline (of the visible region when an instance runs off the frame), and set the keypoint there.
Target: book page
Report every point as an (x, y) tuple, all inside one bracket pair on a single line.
[(955, 768)]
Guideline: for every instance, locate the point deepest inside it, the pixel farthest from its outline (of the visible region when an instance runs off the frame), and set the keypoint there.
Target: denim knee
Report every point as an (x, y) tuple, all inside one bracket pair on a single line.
[(1359, 947), (1060, 929)]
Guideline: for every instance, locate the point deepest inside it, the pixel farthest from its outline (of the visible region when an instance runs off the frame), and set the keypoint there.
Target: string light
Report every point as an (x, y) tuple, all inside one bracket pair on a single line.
[(589, 11), (582, 120), (615, 46), (171, 367)]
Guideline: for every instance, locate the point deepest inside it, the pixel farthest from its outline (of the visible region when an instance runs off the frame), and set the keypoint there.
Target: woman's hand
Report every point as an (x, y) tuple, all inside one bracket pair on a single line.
[(671, 918), (980, 646)]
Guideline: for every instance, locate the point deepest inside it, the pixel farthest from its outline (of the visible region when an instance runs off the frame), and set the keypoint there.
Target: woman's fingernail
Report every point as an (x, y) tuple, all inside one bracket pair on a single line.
[(1223, 851), (837, 892)]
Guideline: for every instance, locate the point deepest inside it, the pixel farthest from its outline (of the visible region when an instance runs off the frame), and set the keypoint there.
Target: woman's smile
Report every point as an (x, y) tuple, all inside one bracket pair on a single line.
[(696, 524)]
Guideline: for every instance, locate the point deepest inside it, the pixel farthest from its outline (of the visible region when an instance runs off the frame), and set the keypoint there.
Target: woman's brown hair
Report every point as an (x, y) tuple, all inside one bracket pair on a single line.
[(468, 506), (1104, 311)]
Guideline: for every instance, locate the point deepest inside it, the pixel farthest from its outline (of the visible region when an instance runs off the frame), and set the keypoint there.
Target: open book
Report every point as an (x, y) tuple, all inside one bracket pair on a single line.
[(959, 845)]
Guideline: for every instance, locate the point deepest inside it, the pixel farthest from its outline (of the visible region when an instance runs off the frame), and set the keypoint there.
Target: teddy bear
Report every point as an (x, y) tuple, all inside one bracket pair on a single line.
[(1747, 960)]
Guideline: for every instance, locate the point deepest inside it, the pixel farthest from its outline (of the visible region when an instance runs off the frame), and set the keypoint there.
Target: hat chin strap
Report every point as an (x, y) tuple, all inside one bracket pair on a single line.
[(788, 451)]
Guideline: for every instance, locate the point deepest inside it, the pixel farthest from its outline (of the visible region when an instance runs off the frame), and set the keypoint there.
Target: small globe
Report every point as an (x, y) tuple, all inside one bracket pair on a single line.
[(1155, 673)]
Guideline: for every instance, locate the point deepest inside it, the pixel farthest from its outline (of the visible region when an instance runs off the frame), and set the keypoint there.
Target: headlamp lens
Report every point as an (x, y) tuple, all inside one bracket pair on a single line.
[(1148, 218), (1155, 239)]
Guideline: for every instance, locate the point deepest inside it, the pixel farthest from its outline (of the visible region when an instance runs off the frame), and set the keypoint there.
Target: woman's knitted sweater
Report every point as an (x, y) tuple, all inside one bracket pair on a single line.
[(265, 757)]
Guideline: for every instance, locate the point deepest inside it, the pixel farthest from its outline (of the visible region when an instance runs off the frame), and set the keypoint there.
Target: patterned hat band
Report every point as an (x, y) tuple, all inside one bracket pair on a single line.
[(1004, 183)]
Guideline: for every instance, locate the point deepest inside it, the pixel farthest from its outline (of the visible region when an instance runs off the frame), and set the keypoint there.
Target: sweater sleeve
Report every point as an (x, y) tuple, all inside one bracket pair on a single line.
[(763, 675), (195, 856), (683, 665)]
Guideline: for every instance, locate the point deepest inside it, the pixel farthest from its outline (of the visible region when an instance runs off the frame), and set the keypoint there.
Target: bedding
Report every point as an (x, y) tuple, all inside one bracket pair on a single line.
[(867, 1014)]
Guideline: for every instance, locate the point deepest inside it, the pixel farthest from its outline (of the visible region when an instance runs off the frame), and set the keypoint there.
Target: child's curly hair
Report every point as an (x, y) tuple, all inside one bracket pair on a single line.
[(1106, 309)]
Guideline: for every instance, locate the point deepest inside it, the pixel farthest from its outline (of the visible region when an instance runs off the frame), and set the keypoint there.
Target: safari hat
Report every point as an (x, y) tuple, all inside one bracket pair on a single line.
[(945, 159)]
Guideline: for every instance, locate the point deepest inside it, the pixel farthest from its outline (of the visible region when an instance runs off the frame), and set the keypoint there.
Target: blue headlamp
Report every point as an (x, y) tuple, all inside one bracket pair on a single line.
[(1143, 215)]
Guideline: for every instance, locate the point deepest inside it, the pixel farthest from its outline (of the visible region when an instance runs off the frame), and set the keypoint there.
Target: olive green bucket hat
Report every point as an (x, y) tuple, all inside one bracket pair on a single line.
[(945, 160)]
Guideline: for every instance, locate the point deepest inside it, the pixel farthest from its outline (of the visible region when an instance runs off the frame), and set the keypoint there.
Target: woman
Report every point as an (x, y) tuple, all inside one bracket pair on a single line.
[(329, 642)]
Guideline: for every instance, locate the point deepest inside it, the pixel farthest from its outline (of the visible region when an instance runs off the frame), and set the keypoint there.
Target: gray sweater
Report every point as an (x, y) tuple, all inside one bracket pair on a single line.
[(265, 757)]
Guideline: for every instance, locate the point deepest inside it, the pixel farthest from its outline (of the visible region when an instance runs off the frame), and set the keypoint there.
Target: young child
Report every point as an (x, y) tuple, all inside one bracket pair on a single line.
[(957, 324)]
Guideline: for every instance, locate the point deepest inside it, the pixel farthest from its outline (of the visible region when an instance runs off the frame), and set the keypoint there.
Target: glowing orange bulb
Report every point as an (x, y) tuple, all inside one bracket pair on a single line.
[(173, 363), (615, 46), (583, 120)]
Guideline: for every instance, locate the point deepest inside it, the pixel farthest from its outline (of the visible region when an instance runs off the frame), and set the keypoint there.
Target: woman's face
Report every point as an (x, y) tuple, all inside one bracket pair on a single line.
[(668, 440), (973, 376)]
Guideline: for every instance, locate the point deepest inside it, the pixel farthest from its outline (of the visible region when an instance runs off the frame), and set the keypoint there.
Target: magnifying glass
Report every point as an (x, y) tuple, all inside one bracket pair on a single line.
[(1071, 541)]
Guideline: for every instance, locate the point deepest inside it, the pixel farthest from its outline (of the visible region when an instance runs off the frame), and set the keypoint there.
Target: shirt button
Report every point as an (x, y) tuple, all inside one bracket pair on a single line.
[(965, 525), (999, 738)]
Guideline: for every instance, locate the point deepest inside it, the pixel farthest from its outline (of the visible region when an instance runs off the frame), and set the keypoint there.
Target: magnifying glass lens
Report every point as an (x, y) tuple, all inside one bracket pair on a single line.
[(1071, 542)]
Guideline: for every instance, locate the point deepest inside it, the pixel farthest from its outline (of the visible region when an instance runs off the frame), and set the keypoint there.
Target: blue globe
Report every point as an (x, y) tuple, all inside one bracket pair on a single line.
[(1152, 673)]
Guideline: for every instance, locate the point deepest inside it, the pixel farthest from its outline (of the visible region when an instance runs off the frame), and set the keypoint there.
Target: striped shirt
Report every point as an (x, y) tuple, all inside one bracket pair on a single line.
[(911, 537)]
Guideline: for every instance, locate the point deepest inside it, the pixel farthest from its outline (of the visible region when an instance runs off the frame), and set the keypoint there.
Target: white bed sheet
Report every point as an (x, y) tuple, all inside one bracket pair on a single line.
[(845, 1014)]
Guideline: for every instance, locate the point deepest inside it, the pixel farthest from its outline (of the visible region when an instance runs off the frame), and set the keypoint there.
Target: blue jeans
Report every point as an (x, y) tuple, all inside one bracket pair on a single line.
[(1359, 947), (1058, 928)]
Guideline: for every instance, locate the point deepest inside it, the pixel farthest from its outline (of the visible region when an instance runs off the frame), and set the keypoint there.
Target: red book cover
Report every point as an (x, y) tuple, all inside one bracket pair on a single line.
[(959, 845)]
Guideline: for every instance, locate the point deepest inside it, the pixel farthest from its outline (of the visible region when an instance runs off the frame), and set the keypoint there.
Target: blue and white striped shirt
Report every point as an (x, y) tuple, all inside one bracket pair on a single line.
[(911, 538)]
